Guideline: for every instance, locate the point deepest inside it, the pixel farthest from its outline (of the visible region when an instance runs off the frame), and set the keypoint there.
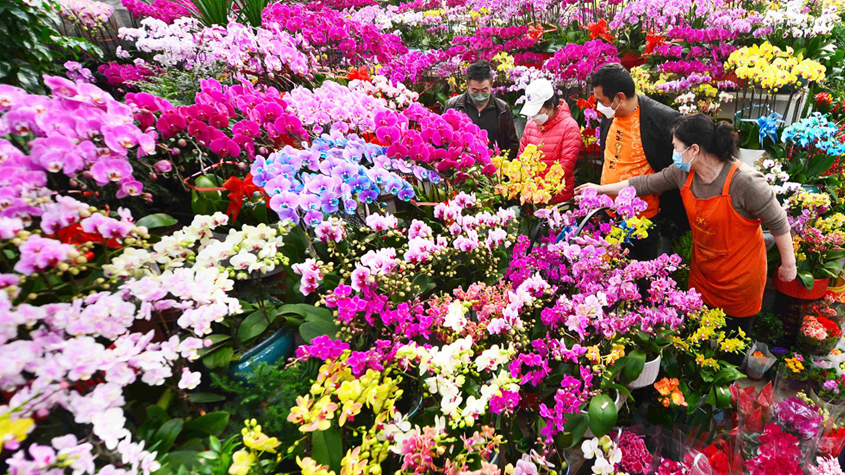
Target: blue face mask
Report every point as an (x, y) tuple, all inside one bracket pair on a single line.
[(678, 158)]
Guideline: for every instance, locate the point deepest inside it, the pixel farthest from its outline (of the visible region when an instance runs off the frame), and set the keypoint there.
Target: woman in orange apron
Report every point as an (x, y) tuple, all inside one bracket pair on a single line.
[(725, 201)]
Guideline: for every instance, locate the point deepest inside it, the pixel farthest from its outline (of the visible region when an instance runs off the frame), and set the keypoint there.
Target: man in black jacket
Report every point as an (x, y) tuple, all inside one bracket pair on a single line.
[(486, 110), (636, 139)]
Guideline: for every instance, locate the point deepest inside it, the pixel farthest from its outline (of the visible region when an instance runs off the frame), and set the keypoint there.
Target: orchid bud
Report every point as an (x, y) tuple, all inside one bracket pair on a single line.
[(175, 151), (182, 142), (153, 176), (164, 166)]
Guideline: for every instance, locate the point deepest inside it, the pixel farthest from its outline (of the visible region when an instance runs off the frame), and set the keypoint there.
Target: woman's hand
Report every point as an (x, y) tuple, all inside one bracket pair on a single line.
[(587, 186), (787, 272)]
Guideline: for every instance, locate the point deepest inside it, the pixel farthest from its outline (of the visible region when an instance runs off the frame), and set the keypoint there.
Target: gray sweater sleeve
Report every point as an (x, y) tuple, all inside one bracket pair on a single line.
[(670, 178), (752, 194)]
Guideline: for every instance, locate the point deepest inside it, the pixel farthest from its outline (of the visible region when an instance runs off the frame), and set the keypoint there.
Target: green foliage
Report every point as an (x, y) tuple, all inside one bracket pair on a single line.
[(683, 248), (267, 395), (768, 328), (33, 44)]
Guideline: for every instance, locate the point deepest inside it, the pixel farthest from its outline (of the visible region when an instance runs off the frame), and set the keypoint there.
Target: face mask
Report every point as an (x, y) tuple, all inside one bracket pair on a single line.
[(479, 98), (540, 119), (607, 111), (678, 158)]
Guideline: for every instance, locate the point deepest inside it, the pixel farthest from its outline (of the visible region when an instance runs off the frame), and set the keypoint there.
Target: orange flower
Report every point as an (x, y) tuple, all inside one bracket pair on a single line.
[(666, 385), (758, 354), (678, 398), (599, 30)]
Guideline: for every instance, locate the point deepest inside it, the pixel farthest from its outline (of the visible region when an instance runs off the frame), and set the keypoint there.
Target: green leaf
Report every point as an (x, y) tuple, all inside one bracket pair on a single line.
[(181, 458), (157, 220), (603, 415), (310, 330), (167, 434), (213, 423), (573, 431), (726, 375), (328, 448), (634, 366), (309, 312), (219, 358), (199, 398), (255, 324), (723, 397), (807, 280)]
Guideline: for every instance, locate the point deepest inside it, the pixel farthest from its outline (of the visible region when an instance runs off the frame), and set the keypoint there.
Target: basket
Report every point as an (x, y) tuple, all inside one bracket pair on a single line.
[(838, 287), (797, 290)]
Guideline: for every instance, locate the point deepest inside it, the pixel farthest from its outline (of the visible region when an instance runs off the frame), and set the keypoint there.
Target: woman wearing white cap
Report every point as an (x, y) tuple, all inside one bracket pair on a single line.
[(553, 130)]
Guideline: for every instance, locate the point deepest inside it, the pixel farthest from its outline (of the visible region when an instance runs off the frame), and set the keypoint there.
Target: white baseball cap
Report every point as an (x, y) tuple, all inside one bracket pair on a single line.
[(536, 94)]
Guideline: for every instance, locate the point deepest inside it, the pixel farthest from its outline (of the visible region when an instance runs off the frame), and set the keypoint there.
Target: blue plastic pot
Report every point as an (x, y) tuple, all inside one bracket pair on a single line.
[(279, 345)]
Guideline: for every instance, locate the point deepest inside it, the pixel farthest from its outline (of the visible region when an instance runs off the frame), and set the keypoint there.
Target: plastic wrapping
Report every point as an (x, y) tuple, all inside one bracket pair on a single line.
[(756, 366), (800, 419)]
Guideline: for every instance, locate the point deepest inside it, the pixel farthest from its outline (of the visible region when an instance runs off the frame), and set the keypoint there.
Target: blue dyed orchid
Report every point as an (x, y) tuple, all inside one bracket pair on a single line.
[(333, 175)]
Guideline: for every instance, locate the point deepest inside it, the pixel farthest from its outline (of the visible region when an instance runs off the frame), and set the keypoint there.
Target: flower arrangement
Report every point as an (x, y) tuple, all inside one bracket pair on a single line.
[(528, 179), (87, 13), (818, 335)]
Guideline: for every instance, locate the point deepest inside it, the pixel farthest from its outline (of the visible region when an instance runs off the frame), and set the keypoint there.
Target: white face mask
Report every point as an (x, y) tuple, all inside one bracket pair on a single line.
[(540, 119), (607, 111)]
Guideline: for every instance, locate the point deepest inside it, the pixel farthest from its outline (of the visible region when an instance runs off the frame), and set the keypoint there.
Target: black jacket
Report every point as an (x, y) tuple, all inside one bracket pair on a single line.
[(656, 122), (507, 139)]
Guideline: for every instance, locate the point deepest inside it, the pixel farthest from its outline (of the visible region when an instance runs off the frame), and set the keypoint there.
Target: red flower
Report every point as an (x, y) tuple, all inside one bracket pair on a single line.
[(823, 98), (652, 41), (599, 30), (360, 73)]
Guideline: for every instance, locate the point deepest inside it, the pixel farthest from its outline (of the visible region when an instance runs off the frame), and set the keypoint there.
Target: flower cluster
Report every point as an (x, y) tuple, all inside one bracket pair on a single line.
[(669, 392), (227, 120), (528, 179), (79, 131), (125, 74), (162, 10), (335, 173), (816, 132), (773, 69), (88, 13), (778, 453), (578, 62)]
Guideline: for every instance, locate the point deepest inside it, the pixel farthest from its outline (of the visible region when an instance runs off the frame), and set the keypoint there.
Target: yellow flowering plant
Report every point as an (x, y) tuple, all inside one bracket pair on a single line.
[(252, 452), (773, 69), (528, 178), (697, 361)]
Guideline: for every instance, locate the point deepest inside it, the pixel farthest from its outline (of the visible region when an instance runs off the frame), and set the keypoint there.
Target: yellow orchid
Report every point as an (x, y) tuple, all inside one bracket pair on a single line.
[(528, 179), (310, 466), (353, 463), (242, 462), (14, 430)]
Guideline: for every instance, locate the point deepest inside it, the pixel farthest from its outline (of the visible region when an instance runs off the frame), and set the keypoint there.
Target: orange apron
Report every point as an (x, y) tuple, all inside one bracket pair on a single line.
[(728, 263)]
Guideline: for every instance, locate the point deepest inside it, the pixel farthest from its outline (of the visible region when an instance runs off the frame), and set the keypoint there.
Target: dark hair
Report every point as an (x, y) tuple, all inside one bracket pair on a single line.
[(479, 71), (716, 139), (552, 102), (613, 79)]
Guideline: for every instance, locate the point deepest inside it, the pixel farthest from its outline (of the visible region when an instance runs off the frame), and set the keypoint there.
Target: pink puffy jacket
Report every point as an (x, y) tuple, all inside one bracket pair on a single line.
[(560, 141)]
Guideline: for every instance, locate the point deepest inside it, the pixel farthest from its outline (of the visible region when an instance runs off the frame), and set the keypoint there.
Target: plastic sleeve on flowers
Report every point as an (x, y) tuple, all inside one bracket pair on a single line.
[(670, 178)]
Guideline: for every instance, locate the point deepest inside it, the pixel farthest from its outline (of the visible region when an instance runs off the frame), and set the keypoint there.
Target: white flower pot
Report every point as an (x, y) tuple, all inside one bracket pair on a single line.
[(649, 374)]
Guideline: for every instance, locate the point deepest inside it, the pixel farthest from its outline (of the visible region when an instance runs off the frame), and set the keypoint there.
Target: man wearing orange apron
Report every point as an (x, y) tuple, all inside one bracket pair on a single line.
[(728, 263)]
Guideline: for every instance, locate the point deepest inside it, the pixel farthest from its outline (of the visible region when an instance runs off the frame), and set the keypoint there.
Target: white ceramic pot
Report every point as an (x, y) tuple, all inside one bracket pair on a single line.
[(649, 374)]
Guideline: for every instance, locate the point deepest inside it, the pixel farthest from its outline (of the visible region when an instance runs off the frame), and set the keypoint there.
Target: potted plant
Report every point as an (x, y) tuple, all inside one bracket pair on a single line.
[(818, 335), (817, 238), (643, 363)]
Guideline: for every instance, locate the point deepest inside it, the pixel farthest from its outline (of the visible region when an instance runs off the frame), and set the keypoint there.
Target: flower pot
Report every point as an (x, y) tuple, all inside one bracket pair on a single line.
[(649, 374), (278, 346), (838, 287), (796, 289)]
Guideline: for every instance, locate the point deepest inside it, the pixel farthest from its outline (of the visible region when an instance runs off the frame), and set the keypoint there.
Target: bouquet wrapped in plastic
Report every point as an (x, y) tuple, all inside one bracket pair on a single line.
[(758, 360), (803, 420), (818, 335)]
